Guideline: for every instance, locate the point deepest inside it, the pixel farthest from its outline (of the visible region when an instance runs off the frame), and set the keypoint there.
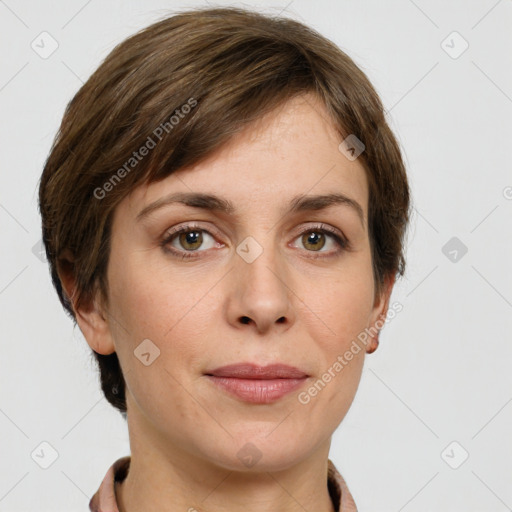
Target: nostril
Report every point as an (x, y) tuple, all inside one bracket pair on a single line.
[(245, 320)]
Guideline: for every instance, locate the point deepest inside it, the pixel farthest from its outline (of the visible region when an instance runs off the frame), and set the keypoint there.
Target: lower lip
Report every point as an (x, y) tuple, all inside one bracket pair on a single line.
[(258, 391)]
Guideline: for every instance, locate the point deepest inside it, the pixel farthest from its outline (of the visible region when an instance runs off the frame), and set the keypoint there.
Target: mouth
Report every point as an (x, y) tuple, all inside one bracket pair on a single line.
[(257, 384)]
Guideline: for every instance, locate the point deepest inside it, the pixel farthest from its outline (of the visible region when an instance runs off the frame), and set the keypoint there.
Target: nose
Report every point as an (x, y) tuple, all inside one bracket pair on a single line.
[(260, 293)]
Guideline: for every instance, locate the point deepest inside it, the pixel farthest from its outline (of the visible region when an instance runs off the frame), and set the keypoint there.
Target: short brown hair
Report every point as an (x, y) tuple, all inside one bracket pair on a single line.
[(230, 66)]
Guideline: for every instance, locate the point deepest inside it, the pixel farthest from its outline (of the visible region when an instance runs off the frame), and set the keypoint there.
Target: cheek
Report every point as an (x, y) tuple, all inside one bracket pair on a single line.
[(149, 301), (147, 306), (172, 311), (341, 306)]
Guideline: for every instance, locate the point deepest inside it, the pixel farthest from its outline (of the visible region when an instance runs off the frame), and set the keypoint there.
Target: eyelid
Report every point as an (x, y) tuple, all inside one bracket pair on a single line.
[(188, 226), (320, 226)]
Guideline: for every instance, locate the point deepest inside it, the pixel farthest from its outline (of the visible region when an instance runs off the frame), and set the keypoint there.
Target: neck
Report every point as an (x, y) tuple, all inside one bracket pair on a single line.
[(285, 491), (169, 479)]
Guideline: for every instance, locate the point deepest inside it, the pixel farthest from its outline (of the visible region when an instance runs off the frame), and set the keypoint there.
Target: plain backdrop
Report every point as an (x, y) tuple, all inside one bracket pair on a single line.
[(429, 429)]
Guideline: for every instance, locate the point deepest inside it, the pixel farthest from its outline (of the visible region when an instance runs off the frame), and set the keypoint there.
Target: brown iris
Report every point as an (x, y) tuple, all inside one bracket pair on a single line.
[(191, 238), (312, 238)]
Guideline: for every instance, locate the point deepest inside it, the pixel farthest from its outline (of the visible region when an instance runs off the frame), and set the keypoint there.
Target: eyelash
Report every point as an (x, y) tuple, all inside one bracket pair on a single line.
[(342, 243)]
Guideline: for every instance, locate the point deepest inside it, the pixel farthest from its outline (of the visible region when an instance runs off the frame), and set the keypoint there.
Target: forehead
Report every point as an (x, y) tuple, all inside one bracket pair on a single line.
[(290, 151)]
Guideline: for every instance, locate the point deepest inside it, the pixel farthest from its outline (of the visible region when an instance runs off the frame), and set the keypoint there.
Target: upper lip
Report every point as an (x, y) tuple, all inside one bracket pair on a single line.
[(254, 371)]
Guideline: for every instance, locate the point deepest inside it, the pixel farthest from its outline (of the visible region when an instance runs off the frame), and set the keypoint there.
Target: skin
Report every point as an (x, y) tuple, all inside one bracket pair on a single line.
[(185, 433)]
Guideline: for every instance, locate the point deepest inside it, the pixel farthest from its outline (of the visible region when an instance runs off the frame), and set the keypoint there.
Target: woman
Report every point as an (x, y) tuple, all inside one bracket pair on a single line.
[(224, 210)]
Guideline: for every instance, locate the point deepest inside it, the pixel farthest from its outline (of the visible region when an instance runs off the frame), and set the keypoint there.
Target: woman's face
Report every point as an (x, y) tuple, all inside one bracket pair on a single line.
[(261, 284)]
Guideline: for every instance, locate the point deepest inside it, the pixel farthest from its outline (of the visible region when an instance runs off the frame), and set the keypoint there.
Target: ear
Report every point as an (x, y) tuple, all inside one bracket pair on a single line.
[(91, 317), (380, 310)]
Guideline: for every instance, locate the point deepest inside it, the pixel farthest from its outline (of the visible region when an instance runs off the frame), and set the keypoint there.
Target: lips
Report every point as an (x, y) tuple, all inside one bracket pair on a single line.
[(257, 384), (253, 371)]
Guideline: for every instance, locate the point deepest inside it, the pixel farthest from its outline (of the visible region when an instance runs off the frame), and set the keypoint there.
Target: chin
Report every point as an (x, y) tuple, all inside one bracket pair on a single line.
[(261, 452)]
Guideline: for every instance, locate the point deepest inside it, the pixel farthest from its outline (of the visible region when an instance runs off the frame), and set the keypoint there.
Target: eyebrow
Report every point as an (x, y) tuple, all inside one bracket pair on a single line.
[(214, 203)]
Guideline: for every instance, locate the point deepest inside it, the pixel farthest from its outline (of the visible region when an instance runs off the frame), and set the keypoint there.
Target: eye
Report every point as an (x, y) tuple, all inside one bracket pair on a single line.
[(186, 240), (315, 238)]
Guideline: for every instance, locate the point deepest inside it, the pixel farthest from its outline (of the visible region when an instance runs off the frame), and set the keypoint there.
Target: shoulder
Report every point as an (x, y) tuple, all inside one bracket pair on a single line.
[(104, 499), (340, 494)]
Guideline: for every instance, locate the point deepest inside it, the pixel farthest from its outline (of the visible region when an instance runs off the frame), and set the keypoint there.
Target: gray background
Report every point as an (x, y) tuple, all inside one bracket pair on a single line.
[(442, 371)]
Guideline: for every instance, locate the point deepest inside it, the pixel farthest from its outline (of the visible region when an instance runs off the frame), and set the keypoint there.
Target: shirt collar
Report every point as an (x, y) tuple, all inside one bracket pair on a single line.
[(104, 500)]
